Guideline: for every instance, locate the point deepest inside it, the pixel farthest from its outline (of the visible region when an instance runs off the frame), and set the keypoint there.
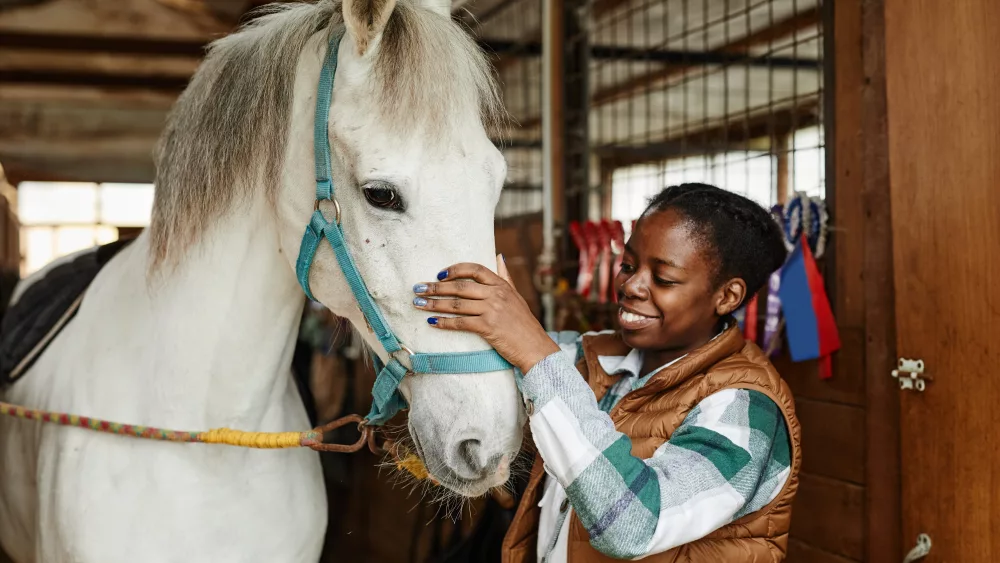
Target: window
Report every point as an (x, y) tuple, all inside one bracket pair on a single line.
[(59, 218), (753, 174)]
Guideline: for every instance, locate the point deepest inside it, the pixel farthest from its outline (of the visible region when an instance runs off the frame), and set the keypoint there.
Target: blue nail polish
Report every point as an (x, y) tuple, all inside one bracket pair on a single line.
[(432, 321), (442, 275), (420, 288), (420, 302)]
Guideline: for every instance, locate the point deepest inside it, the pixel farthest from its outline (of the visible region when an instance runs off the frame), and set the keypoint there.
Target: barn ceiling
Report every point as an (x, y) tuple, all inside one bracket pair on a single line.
[(85, 85)]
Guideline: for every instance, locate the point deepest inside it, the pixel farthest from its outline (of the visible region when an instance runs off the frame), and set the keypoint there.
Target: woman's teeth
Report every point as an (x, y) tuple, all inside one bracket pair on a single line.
[(632, 317)]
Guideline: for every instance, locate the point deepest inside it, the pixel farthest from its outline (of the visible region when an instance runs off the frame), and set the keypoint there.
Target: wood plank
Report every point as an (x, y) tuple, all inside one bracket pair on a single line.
[(727, 136), (120, 159), (829, 515), (943, 93), (133, 18), (848, 382), (832, 444), (801, 552), (882, 447), (97, 63), (69, 78), (520, 242), (848, 212)]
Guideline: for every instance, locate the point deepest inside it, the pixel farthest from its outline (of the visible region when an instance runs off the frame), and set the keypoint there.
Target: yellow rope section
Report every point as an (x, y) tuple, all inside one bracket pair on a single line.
[(262, 440)]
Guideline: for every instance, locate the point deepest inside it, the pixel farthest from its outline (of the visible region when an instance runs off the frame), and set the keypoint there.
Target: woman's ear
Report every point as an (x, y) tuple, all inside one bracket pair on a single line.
[(730, 296), (365, 20)]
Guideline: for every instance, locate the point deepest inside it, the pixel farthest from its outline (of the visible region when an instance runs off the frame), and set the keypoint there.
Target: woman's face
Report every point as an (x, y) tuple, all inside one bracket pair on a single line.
[(667, 290)]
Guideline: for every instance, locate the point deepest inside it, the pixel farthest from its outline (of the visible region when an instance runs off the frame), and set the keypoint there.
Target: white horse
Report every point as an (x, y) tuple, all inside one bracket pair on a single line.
[(192, 326)]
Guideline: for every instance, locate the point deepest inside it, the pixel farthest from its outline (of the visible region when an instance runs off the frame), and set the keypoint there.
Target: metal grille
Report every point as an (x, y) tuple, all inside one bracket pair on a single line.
[(511, 31), (727, 92)]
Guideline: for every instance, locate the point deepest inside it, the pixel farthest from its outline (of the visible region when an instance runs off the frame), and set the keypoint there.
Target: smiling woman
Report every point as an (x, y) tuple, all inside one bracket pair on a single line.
[(680, 441)]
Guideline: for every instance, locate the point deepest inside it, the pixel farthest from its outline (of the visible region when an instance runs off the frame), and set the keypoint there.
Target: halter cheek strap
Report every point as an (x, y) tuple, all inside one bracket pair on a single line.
[(387, 400)]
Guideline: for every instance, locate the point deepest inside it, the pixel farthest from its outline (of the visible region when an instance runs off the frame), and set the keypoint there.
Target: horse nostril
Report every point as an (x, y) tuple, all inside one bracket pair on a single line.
[(470, 461)]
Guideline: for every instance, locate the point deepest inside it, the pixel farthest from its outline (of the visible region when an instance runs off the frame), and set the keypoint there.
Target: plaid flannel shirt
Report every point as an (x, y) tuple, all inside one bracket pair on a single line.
[(729, 457)]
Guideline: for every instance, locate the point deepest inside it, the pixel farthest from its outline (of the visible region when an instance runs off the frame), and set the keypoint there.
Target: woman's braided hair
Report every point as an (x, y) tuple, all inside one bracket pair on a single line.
[(747, 241)]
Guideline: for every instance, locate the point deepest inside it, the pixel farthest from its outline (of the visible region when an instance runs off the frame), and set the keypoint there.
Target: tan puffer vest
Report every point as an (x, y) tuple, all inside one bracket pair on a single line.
[(649, 416)]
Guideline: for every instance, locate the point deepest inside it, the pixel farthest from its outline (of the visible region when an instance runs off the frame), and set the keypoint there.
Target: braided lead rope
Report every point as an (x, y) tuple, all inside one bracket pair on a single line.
[(312, 439)]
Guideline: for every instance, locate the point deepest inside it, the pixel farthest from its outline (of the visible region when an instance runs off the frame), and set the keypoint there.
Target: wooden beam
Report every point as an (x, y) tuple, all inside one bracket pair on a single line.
[(99, 80), (602, 8), (469, 19), (122, 159), (81, 115), (97, 63), (121, 45), (522, 187), (506, 47), (729, 136), (111, 18), (741, 46), (784, 28)]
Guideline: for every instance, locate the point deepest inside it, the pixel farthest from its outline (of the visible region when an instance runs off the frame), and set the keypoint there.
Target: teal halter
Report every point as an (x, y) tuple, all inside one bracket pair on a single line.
[(387, 400)]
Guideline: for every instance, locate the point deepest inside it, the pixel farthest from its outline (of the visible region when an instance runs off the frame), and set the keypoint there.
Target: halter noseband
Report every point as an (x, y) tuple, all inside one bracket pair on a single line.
[(387, 400)]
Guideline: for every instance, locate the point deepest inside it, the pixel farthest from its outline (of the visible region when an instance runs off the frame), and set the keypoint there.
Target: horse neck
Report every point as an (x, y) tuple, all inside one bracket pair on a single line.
[(225, 324)]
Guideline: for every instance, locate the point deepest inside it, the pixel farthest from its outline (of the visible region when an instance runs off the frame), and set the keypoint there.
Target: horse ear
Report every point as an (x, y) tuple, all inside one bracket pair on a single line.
[(365, 20), (442, 7)]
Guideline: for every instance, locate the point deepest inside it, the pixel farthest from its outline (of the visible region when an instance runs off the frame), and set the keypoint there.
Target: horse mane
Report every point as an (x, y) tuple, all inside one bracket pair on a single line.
[(227, 132)]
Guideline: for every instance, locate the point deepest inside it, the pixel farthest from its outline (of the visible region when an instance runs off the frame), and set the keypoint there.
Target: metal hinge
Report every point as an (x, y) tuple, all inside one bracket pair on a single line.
[(919, 551), (910, 374)]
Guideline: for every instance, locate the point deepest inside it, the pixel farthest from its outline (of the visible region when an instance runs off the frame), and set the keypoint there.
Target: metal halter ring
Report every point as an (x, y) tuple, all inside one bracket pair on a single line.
[(409, 353), (336, 207)]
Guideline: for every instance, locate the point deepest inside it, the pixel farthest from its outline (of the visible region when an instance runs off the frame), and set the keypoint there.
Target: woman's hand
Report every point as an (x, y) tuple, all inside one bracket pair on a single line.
[(488, 305)]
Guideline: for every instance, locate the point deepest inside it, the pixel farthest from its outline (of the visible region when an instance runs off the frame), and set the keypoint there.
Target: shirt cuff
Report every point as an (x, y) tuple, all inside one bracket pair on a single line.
[(556, 375)]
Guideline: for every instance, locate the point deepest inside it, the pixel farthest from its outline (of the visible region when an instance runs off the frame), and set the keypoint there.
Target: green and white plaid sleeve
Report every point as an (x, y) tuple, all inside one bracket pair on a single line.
[(729, 457)]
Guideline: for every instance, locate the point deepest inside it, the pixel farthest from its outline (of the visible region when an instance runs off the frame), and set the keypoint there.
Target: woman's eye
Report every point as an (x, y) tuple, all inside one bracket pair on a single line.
[(661, 281), (627, 268), (384, 197)]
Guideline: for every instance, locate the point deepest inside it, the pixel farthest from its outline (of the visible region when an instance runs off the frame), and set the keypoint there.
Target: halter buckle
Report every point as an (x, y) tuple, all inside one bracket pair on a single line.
[(336, 207)]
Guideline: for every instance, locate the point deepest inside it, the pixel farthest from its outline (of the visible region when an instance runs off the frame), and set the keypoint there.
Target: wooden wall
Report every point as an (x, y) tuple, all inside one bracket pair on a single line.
[(847, 505), (519, 239)]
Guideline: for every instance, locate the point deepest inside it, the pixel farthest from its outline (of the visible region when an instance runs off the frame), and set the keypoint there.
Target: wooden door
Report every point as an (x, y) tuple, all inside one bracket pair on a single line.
[(943, 101)]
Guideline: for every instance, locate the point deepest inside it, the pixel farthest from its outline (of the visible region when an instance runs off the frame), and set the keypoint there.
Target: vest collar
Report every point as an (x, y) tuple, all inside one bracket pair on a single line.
[(605, 347)]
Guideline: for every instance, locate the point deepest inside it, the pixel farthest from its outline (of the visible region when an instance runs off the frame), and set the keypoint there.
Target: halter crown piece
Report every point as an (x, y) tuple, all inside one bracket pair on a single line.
[(387, 400)]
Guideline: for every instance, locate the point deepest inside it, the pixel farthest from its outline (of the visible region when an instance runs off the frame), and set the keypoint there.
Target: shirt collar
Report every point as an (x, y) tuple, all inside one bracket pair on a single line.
[(631, 363)]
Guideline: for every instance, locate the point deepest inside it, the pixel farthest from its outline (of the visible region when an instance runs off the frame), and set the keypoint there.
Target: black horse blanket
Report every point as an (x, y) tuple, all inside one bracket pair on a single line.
[(31, 324)]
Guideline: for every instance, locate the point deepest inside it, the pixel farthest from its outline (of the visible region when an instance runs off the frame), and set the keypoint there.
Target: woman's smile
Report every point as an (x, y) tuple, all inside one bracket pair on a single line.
[(631, 320)]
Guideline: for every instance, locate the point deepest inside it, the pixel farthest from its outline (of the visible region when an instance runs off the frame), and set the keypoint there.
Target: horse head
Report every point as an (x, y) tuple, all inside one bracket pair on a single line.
[(416, 181)]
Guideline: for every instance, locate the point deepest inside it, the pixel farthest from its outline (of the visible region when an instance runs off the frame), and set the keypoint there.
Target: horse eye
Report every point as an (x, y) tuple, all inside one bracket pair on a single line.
[(384, 197)]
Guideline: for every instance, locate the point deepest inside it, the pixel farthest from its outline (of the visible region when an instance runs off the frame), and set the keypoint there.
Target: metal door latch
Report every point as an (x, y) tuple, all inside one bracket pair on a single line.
[(920, 550), (910, 374)]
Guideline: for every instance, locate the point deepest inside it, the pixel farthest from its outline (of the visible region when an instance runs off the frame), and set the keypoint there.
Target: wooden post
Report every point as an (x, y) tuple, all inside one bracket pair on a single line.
[(553, 192), (883, 472), (781, 151)]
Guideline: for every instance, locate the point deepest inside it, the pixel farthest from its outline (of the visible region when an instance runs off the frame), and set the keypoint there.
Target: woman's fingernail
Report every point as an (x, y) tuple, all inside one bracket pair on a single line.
[(420, 302), (442, 275), (432, 321), (420, 288)]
